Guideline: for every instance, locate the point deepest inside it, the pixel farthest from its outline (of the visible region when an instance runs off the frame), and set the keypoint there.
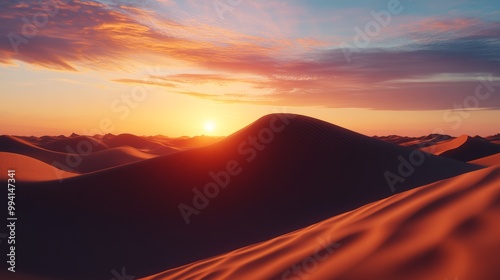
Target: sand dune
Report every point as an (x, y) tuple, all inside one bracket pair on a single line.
[(464, 148), (141, 143), (290, 171), (445, 230), (425, 141), (189, 142), (488, 161), (75, 144), (17, 145), (112, 157), (76, 163), (42, 140), (30, 169), (132, 141), (495, 137), (416, 142), (37, 141)]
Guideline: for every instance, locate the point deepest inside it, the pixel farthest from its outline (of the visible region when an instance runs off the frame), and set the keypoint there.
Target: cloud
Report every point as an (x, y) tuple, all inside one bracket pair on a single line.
[(153, 81), (73, 33), (431, 76), (281, 70)]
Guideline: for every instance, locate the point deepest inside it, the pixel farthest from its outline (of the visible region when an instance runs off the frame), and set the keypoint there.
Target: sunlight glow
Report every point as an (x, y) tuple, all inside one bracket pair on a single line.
[(209, 126)]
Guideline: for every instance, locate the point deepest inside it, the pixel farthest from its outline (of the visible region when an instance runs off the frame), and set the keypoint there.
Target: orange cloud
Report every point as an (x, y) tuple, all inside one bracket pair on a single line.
[(87, 34)]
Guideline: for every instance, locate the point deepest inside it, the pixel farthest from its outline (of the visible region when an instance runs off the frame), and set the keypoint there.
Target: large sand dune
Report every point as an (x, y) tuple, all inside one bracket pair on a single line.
[(445, 230), (289, 172)]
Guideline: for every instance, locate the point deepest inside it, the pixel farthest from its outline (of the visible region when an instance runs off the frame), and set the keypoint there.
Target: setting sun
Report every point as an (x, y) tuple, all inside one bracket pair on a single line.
[(209, 126)]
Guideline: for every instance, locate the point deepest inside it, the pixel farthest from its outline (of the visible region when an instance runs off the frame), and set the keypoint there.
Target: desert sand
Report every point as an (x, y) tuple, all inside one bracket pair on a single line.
[(61, 145), (416, 142), (84, 154), (277, 185), (464, 148), (488, 161), (29, 169), (444, 230)]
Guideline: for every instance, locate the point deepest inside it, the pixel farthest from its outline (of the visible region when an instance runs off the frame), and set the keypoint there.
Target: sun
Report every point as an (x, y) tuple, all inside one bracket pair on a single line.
[(209, 126)]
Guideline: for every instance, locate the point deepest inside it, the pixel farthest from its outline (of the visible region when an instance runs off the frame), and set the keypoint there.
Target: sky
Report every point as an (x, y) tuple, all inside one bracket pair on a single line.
[(185, 68)]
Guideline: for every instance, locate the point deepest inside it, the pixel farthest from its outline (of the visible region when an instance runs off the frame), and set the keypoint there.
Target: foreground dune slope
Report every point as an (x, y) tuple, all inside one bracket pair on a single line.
[(300, 171), (445, 230)]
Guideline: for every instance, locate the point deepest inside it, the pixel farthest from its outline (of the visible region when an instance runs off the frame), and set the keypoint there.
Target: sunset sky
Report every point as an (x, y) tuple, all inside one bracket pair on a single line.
[(175, 67)]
